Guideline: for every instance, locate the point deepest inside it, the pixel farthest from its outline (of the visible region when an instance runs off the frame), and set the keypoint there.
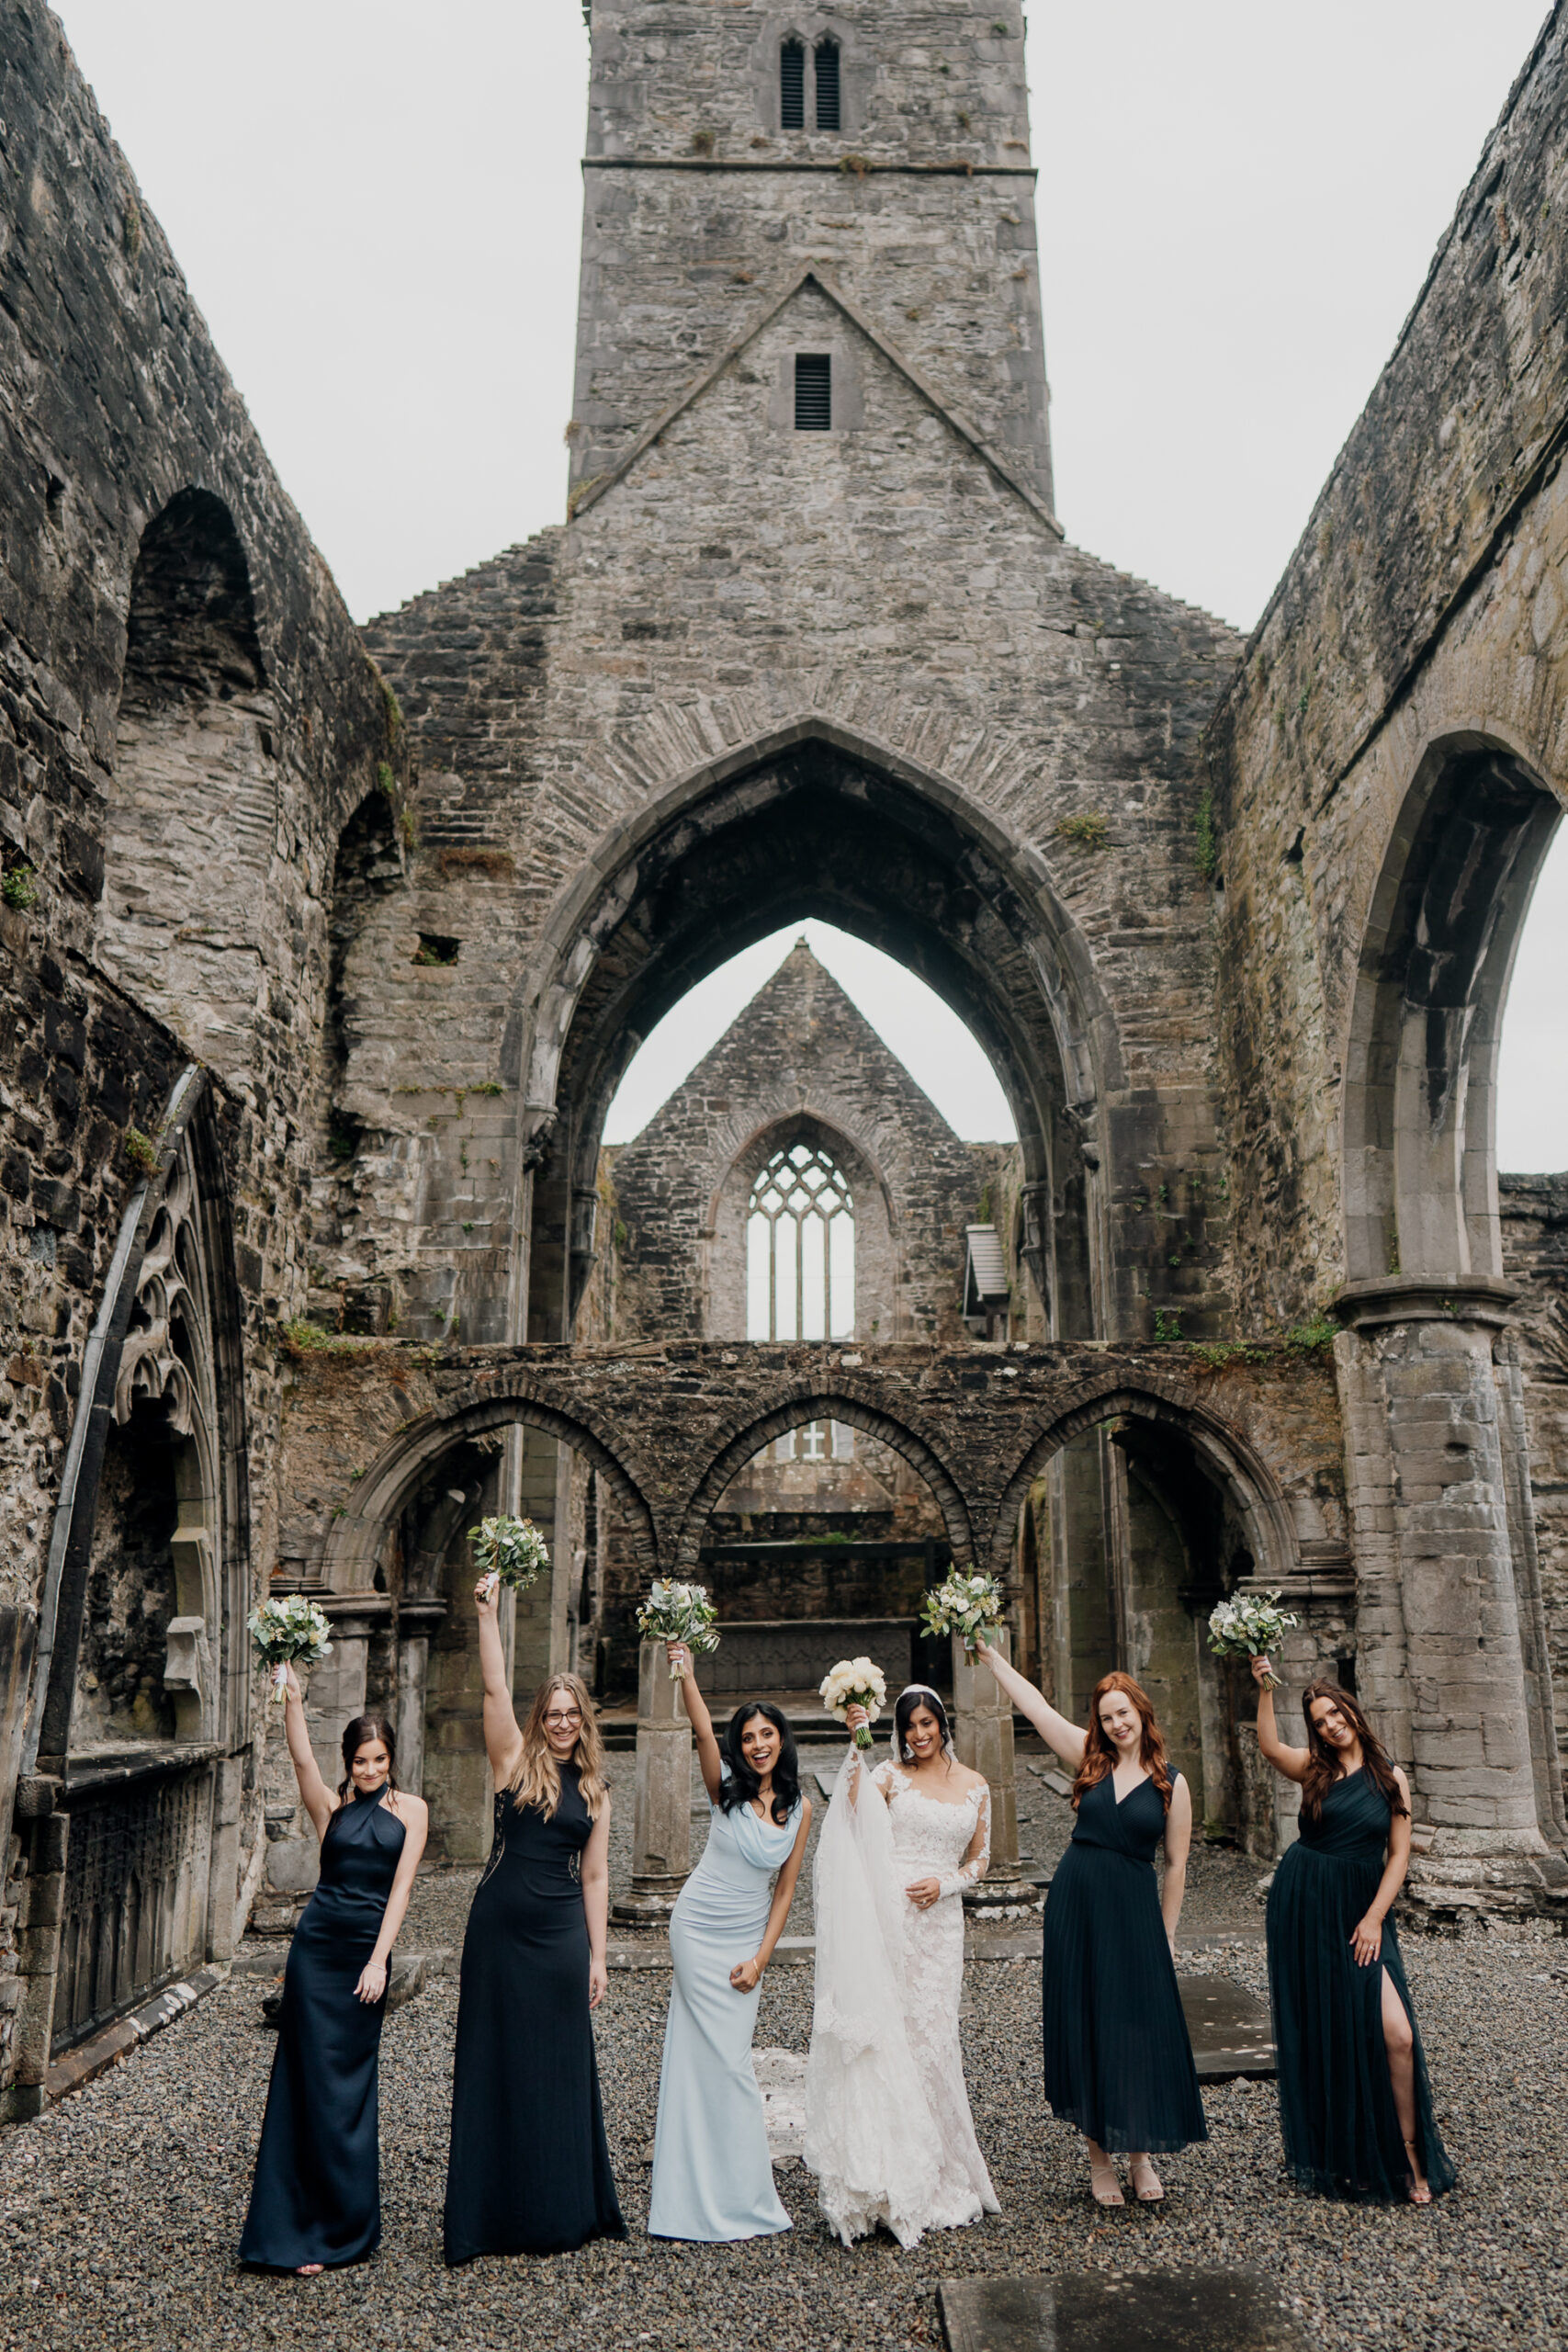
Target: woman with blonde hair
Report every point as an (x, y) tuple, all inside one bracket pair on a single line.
[(1118, 2055), (529, 2169)]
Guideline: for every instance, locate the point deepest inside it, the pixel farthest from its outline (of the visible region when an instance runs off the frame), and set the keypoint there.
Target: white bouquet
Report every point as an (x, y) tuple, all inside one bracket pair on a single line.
[(1250, 1626), (969, 1605), (289, 1631), (855, 1682), (509, 1551), (680, 1613)]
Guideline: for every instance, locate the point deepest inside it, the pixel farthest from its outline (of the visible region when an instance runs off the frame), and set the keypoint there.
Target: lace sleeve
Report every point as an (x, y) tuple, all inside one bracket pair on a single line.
[(977, 1860)]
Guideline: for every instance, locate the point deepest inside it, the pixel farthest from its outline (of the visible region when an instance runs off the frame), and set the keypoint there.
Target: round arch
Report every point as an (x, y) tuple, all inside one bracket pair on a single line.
[(349, 1556), (804, 1402)]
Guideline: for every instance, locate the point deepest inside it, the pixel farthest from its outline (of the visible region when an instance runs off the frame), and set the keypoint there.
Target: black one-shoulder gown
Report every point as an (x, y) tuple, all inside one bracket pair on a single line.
[(529, 2169), (1337, 2113), (1118, 2055), (317, 2192)]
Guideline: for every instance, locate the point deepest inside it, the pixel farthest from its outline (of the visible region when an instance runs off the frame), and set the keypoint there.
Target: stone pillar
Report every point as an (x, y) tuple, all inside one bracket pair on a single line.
[(45, 1834), (1083, 1611), (1440, 1647), (661, 1835), (983, 1737)]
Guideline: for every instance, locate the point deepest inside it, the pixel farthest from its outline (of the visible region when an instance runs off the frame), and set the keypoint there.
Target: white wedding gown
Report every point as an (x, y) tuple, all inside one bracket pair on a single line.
[(888, 2131)]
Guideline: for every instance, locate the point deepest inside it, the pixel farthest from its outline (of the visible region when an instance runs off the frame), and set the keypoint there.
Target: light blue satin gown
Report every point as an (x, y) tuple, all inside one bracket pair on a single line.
[(711, 2178)]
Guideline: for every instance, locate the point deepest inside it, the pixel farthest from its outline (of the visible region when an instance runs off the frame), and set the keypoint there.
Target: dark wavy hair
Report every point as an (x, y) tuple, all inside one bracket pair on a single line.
[(363, 1729), (1323, 1767), (1099, 1757), (742, 1785), (918, 1694)]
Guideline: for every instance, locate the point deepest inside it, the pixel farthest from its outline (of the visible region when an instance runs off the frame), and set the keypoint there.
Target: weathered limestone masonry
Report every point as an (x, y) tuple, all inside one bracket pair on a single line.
[(187, 721), (1388, 767)]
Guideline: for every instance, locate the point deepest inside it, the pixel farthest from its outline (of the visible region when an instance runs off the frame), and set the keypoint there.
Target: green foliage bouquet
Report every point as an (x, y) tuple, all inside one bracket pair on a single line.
[(509, 1552), (970, 1605), (288, 1632), (680, 1613), (1250, 1626)]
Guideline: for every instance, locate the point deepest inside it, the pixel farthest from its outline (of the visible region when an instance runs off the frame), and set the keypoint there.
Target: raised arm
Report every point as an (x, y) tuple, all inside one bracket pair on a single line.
[(745, 1976), (1067, 1740), (314, 1794), (502, 1738), (709, 1762), (1291, 1761), (415, 1815), (594, 1870), (854, 1718), (1178, 1846)]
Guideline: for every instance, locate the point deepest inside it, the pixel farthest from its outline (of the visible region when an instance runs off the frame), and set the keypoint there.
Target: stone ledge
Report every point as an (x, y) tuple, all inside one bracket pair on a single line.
[(94, 2056)]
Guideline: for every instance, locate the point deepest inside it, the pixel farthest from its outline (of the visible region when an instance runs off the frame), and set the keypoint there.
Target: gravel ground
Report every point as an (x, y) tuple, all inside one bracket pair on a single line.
[(120, 2210)]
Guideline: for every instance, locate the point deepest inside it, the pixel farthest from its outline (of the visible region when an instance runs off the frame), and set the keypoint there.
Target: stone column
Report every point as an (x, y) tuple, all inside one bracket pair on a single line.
[(983, 1737), (1441, 1654), (45, 1835), (661, 1835)]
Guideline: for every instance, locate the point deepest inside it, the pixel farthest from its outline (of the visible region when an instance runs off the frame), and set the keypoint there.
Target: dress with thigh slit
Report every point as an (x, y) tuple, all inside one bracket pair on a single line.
[(1337, 2113)]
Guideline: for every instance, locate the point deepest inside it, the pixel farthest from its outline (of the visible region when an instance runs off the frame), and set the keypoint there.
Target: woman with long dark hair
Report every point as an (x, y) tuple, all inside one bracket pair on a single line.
[(713, 2178), (1118, 2055), (529, 2170), (1355, 2104), (316, 2197)]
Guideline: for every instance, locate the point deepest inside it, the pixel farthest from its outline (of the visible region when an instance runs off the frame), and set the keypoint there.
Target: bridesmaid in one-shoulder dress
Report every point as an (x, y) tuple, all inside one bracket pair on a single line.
[(1118, 2055), (316, 2198), (1355, 2103), (713, 2178)]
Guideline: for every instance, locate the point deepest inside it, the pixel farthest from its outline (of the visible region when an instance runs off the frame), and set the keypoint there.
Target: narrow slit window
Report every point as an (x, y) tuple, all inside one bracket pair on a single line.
[(813, 392), (827, 86), (791, 85)]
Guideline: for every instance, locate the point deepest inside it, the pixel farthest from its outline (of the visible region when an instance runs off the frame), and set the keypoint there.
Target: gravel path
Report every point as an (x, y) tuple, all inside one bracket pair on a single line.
[(120, 2211)]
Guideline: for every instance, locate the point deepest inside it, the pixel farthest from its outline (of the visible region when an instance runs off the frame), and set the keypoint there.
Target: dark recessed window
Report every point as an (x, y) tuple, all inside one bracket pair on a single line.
[(813, 392), (435, 948), (827, 86), (791, 85)]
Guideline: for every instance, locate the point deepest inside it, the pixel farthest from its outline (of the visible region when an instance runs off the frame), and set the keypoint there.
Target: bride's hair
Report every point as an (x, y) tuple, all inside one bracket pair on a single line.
[(741, 1784), (918, 1695), (1099, 1757)]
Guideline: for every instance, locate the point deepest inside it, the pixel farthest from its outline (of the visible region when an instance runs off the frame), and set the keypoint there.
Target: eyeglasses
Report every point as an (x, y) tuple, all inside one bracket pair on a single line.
[(558, 1722)]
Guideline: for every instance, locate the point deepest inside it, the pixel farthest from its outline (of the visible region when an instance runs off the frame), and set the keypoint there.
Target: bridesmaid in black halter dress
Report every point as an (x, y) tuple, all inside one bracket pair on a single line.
[(529, 2168), (1355, 2103), (316, 2197), (1118, 2055)]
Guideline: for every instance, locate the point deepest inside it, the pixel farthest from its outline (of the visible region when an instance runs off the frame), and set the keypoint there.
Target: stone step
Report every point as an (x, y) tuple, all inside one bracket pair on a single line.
[(1119, 2311)]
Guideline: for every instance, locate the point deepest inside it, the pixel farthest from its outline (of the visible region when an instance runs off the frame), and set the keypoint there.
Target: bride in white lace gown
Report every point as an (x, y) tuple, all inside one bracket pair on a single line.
[(888, 2130)]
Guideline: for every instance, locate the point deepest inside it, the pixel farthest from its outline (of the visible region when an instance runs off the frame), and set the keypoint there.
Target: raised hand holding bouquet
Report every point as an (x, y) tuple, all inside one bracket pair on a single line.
[(970, 1605), (1250, 1626), (680, 1613), (508, 1552), (288, 1632), (855, 1682)]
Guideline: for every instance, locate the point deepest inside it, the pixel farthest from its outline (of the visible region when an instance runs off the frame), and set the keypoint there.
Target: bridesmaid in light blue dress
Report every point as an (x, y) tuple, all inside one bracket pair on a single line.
[(712, 2176)]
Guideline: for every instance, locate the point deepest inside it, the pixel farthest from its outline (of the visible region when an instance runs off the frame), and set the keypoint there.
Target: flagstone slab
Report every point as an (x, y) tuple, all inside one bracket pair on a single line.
[(1110, 2311), (1231, 2029)]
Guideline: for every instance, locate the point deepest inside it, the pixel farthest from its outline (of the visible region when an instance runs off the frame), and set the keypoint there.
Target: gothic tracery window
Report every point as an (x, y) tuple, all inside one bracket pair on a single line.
[(800, 1248)]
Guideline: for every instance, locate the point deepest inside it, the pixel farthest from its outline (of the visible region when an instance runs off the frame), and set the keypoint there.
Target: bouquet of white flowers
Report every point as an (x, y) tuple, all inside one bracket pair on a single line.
[(508, 1552), (855, 1682), (1250, 1626), (969, 1605), (680, 1613), (288, 1632)]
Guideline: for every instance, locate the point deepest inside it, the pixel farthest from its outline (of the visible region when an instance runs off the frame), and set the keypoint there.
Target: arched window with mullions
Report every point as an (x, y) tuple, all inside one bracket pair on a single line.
[(800, 1248)]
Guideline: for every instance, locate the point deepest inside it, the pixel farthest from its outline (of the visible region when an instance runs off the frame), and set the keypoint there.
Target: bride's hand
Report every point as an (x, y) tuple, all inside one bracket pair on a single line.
[(923, 1892), (854, 1718)]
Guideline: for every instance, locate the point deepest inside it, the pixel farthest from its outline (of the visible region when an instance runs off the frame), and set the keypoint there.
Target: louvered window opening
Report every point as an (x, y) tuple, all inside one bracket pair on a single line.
[(800, 1249), (813, 392), (791, 85), (827, 86)]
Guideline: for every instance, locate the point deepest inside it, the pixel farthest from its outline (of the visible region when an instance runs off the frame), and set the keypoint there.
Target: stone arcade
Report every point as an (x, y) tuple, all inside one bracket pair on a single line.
[(325, 951)]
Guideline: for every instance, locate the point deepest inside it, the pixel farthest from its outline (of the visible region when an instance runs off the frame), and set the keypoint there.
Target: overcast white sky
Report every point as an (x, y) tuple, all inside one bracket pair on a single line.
[(376, 204)]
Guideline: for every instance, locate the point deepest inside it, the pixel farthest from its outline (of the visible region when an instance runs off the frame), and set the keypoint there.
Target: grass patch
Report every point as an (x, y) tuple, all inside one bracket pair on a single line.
[(1090, 832)]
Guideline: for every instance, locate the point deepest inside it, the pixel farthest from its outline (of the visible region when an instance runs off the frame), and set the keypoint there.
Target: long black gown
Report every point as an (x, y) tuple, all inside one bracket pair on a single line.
[(1337, 2113), (317, 2192), (529, 2170), (1118, 2056)]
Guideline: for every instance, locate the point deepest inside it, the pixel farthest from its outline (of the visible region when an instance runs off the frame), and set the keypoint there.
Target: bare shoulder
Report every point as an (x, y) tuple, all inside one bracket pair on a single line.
[(404, 1801), (1401, 1782), (968, 1779)]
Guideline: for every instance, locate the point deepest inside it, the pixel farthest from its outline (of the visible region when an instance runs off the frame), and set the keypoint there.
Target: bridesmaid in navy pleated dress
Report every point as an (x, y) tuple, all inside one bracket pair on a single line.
[(1118, 2055), (529, 2169), (1355, 2103), (316, 2198)]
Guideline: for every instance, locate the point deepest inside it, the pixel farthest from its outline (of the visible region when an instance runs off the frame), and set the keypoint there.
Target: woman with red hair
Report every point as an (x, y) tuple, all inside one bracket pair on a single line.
[(1118, 2056)]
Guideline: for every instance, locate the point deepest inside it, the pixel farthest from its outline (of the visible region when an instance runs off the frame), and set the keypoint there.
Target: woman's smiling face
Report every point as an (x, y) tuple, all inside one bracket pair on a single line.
[(922, 1735), (760, 1744)]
